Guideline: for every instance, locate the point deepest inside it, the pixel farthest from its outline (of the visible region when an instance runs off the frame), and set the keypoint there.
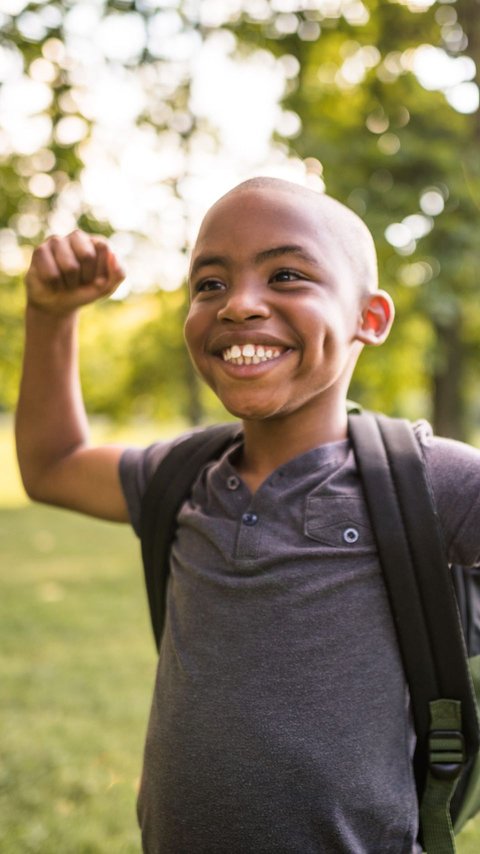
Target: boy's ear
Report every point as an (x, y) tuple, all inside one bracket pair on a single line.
[(376, 319)]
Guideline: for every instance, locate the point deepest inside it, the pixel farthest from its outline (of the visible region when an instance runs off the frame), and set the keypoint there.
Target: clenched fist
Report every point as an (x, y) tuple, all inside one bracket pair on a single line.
[(68, 272)]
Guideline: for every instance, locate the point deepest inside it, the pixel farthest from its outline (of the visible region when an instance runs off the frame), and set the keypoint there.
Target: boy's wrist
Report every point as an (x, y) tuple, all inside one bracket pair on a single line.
[(44, 314), (42, 324)]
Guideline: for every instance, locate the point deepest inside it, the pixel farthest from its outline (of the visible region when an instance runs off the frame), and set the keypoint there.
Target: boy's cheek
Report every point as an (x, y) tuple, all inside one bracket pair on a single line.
[(197, 364), (188, 333), (194, 347), (197, 330)]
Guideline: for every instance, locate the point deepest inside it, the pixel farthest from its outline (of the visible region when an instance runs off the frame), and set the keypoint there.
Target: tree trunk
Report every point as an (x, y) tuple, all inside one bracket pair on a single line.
[(449, 415), (448, 407)]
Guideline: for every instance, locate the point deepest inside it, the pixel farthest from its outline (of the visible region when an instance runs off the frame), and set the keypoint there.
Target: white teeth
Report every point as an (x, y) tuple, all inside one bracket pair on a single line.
[(250, 354)]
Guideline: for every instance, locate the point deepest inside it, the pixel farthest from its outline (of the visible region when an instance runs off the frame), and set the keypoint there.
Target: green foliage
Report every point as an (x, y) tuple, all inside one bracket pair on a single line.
[(379, 377), (11, 339), (134, 359), (382, 140), (369, 129)]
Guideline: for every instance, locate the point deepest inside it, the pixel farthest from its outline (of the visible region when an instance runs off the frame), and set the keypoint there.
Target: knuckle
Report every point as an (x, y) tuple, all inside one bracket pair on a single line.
[(39, 252), (79, 236), (53, 279), (71, 268), (83, 245), (87, 253)]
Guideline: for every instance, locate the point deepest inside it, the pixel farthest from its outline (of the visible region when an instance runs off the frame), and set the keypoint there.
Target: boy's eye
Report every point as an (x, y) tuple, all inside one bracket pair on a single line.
[(286, 276), (207, 285)]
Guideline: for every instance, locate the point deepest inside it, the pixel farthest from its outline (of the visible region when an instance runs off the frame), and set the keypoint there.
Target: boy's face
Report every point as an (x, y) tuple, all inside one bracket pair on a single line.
[(275, 322)]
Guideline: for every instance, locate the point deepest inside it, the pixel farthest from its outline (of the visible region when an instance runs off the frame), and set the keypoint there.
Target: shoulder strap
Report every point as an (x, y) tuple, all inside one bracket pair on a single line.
[(169, 487), (419, 587)]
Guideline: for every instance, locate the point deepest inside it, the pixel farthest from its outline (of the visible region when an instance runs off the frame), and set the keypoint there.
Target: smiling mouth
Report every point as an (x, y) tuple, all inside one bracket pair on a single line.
[(250, 354)]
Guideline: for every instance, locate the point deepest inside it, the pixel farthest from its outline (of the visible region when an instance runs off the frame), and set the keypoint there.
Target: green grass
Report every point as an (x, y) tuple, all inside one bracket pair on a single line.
[(77, 665), (76, 673)]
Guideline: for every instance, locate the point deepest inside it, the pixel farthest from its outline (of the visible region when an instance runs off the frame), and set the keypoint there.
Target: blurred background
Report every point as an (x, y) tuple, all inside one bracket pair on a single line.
[(128, 118)]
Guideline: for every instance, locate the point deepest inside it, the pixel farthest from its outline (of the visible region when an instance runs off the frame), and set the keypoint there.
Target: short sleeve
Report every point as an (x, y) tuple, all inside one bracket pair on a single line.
[(137, 466), (453, 469)]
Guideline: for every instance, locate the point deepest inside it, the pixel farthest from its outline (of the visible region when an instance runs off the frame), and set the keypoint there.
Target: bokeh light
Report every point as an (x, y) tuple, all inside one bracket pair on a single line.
[(154, 154)]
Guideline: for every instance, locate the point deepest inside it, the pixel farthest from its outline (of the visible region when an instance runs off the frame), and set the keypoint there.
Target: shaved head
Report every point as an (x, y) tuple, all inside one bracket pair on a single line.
[(279, 265), (345, 229)]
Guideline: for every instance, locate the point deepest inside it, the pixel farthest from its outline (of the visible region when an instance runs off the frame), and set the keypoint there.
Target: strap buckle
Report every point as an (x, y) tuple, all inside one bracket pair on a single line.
[(446, 753)]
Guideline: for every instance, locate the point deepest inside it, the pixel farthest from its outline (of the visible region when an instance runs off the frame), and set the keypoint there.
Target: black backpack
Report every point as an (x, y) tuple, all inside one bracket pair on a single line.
[(438, 632)]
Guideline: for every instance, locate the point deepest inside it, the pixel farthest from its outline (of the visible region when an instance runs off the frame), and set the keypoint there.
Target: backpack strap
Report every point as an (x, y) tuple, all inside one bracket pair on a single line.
[(169, 487), (420, 590)]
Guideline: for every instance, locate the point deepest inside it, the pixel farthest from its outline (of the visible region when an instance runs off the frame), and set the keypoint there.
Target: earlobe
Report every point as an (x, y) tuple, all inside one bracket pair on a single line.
[(376, 319)]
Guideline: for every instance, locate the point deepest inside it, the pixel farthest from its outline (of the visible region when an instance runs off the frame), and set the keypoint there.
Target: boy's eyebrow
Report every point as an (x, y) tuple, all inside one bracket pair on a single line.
[(207, 261), (284, 250), (264, 255)]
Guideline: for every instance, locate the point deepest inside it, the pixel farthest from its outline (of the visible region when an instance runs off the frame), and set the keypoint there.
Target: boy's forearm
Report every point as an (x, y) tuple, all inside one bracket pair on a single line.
[(57, 465), (51, 420)]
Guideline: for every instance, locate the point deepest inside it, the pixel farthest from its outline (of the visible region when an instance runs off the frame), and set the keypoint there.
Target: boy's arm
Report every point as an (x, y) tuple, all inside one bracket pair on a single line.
[(56, 462)]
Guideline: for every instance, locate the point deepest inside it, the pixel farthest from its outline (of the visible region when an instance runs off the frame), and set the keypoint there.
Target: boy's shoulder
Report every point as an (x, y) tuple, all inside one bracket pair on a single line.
[(453, 472), (136, 468), (138, 465), (455, 458)]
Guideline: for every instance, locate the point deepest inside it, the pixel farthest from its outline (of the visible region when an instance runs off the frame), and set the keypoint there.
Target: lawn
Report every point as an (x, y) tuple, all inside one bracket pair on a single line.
[(77, 665), (76, 669)]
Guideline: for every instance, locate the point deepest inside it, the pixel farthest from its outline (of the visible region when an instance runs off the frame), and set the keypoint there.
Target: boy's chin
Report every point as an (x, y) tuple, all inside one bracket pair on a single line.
[(251, 410)]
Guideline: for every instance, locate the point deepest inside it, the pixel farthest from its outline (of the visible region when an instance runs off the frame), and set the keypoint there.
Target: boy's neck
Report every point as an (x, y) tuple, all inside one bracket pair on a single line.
[(273, 442)]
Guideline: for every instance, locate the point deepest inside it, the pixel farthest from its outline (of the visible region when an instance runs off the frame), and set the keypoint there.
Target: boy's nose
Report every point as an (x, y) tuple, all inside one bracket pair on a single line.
[(244, 303)]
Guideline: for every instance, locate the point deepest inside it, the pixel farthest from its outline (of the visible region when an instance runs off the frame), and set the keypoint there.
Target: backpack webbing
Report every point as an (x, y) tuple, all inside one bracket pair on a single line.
[(169, 487), (422, 601), (415, 568)]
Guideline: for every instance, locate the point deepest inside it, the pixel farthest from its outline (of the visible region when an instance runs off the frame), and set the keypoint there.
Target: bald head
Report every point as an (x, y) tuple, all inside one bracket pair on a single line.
[(276, 263), (340, 224)]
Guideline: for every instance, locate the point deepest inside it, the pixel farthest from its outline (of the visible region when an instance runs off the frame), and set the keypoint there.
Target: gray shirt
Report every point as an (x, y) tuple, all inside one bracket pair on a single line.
[(280, 719)]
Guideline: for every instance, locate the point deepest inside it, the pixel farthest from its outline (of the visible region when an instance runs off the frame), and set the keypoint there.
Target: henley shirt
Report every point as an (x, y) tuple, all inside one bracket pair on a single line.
[(280, 720)]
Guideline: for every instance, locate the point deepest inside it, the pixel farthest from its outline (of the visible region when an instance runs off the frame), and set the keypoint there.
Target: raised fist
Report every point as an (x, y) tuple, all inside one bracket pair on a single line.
[(68, 272)]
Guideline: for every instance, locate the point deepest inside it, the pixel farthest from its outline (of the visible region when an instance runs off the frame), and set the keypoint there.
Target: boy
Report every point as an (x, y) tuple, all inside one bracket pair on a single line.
[(280, 718)]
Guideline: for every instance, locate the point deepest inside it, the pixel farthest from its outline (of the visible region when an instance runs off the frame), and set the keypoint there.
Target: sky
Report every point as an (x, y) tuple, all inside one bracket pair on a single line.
[(151, 187)]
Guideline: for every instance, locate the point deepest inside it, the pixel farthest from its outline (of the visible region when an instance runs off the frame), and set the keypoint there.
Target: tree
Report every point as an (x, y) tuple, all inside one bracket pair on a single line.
[(406, 160), (62, 165), (360, 115)]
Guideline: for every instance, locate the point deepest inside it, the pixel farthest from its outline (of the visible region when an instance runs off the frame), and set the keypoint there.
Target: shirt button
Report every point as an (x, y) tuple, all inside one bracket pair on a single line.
[(249, 519), (233, 482), (350, 535)]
